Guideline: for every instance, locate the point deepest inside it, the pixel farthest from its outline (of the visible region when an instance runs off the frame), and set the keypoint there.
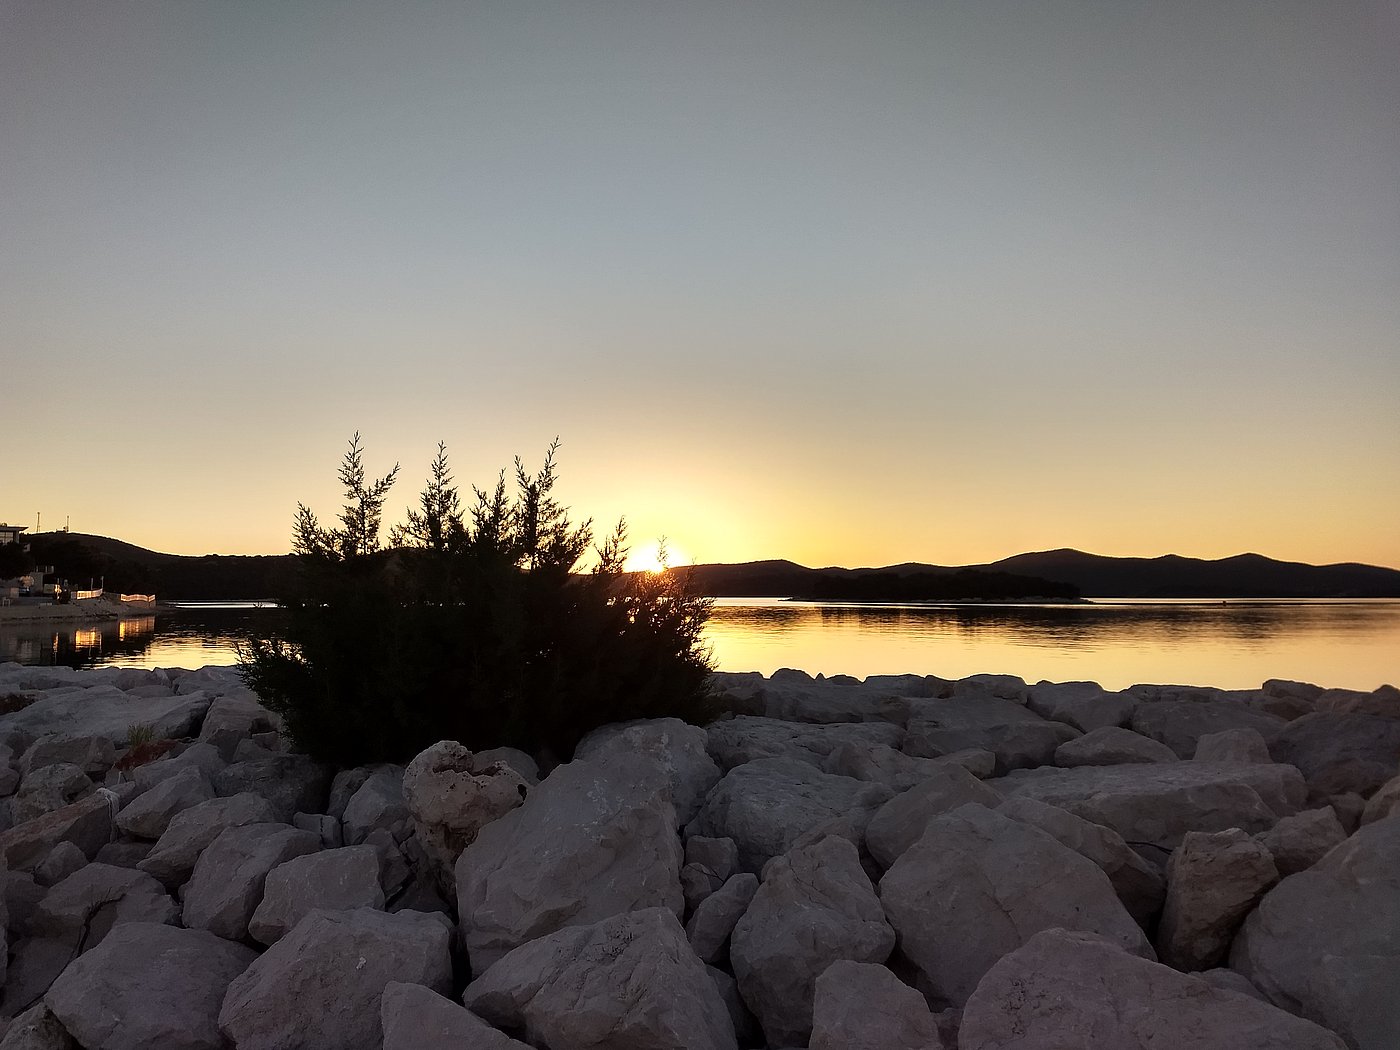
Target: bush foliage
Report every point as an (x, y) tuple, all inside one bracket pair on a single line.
[(476, 625)]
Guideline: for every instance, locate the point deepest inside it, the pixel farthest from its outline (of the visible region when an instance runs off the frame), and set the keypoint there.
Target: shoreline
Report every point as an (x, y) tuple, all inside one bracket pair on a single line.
[(94, 610)]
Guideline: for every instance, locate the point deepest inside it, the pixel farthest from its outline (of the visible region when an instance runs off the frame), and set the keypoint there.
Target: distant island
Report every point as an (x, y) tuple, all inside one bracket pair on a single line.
[(1057, 575)]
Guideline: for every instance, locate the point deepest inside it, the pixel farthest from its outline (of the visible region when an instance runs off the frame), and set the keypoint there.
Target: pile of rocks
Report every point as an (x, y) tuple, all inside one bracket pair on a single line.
[(899, 863)]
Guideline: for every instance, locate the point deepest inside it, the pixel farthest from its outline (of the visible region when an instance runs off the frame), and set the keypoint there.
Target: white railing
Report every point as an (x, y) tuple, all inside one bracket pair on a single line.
[(78, 596), (136, 597)]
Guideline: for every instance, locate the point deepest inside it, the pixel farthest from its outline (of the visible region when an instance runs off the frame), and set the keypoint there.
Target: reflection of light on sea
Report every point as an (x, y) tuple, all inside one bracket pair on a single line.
[(87, 638), (136, 628)]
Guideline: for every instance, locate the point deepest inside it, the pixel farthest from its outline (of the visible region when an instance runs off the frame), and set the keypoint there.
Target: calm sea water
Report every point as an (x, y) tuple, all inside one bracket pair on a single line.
[(1232, 644)]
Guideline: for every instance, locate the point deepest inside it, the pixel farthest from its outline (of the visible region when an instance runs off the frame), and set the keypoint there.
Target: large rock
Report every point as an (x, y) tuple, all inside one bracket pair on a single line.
[(37, 1029), (1213, 881), (1159, 803), (678, 748), (49, 788), (88, 824), (234, 718), (749, 738), (1384, 701), (417, 1018), (1112, 746), (897, 771), (1017, 736), (629, 982), (379, 803), (901, 821), (334, 880), (594, 839), (292, 784), (861, 1006), (710, 928), (110, 713), (1384, 803), (1233, 745), (1009, 881), (1338, 753), (1180, 724), (452, 795), (87, 905), (815, 906), (1085, 705), (1298, 842), (1138, 885), (1066, 990), (227, 884), (766, 805), (320, 987), (148, 985), (840, 699), (150, 813), (192, 830), (94, 755), (1325, 943)]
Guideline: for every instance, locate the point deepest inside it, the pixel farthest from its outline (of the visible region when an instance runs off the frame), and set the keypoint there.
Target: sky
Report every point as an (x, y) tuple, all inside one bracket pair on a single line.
[(847, 283)]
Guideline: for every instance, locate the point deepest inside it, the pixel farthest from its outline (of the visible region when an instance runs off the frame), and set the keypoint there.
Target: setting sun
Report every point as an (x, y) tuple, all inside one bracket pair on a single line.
[(655, 556)]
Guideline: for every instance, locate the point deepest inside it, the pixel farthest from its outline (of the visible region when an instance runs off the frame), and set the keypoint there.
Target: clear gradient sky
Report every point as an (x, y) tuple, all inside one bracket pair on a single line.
[(849, 283)]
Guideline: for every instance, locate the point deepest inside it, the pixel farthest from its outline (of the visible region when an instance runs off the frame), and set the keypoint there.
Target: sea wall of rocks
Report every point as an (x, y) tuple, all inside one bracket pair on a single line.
[(900, 863)]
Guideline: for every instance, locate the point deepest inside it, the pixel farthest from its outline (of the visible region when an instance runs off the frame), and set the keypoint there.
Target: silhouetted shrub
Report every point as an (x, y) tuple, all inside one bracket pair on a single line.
[(473, 626)]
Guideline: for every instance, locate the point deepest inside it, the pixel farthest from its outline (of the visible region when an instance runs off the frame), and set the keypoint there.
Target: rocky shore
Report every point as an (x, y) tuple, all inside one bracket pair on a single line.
[(900, 863)]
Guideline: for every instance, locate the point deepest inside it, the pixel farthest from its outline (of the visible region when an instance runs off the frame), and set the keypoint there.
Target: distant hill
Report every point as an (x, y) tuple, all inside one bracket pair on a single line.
[(1060, 573)]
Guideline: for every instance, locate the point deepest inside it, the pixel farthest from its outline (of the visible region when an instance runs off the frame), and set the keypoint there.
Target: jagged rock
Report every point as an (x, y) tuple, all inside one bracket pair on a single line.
[(1384, 701), (815, 906), (232, 719), (1010, 881), (320, 987), (322, 825), (1112, 746), (1158, 803), (900, 822), (677, 747), (148, 985), (87, 905), (37, 1029), (94, 755), (1298, 842), (1325, 943), (417, 1018), (862, 1006), (897, 771), (1233, 745), (452, 795), (697, 884), (1384, 803), (747, 738), (124, 854), (1340, 753), (34, 965), (765, 806), (512, 757), (714, 920), (87, 823), (21, 897), (203, 757), (827, 701), (149, 814), (1002, 686), (62, 861), (1138, 885), (291, 783), (379, 803), (192, 830), (49, 788), (334, 880), (746, 1028), (110, 713), (1016, 735), (593, 839), (227, 884), (1180, 724), (629, 982), (1085, 705), (1067, 989), (718, 856), (1213, 880)]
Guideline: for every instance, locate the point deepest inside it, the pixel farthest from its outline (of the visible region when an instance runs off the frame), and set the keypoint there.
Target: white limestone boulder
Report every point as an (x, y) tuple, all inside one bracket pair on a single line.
[(87, 823), (321, 986), (767, 805), (594, 839), (150, 813), (710, 928), (628, 982), (900, 822), (94, 755), (190, 832), (228, 880), (1233, 745), (679, 749), (1180, 724), (379, 803), (1009, 881), (87, 905), (748, 738), (862, 1006), (1340, 753), (103, 711), (333, 880), (1325, 943), (1112, 746), (897, 771), (1067, 990), (414, 1017), (1213, 880), (1298, 842), (814, 907), (1085, 705), (148, 985), (1138, 885), (1016, 735), (49, 788)]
